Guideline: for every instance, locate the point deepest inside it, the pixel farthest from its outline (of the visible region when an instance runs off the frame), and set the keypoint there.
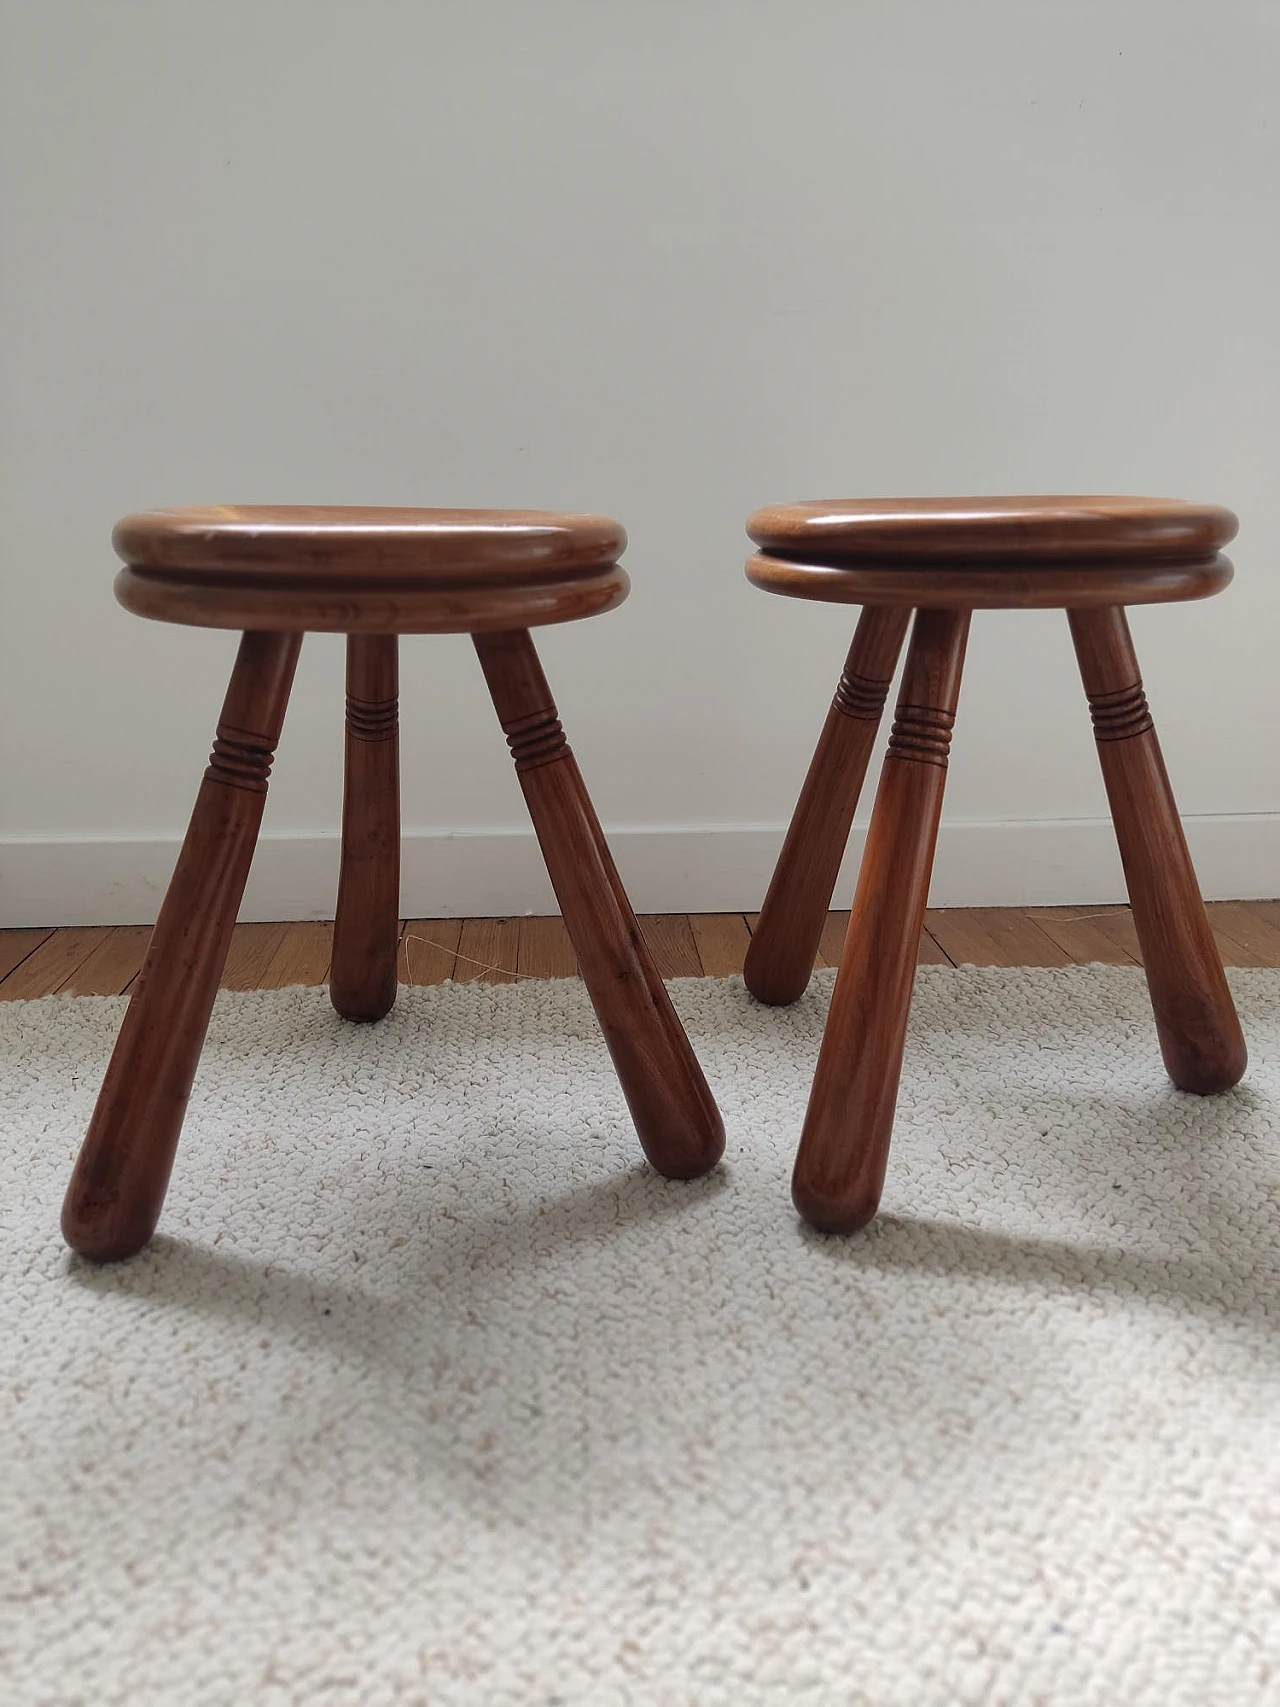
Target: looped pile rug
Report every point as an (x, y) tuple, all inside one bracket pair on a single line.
[(430, 1393)]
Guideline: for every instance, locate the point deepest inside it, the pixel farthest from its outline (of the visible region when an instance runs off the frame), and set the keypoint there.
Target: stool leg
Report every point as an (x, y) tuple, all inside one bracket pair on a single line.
[(118, 1186), (366, 930), (1200, 1036), (844, 1147), (675, 1115), (784, 943)]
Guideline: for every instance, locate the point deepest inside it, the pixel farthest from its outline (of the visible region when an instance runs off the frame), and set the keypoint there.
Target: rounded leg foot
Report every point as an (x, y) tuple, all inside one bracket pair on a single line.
[(834, 1207)]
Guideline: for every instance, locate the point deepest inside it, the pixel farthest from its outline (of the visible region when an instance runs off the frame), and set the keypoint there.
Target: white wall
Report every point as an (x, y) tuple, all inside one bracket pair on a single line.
[(670, 259)]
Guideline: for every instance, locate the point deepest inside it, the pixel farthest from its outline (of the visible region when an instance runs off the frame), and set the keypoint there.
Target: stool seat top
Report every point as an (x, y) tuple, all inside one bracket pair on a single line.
[(294, 567), (306, 541), (1026, 530)]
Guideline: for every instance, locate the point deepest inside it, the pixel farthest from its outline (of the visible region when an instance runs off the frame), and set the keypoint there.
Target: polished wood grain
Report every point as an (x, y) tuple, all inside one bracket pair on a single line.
[(373, 571), (362, 607), (1200, 1035), (977, 586), (675, 1115), (785, 939), (992, 553), (383, 542), (366, 928), (844, 1145), (1030, 529), (120, 1177)]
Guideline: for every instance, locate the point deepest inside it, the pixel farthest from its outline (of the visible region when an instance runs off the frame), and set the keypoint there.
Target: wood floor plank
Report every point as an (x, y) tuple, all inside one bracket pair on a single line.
[(1117, 924), (1268, 911), (252, 949), (15, 946), (1091, 934), (545, 950), (102, 960), (1246, 934), (831, 942), (112, 966), (670, 940), (488, 951), (302, 957), (721, 940), (429, 950), (931, 951), (993, 936), (1232, 953), (47, 969)]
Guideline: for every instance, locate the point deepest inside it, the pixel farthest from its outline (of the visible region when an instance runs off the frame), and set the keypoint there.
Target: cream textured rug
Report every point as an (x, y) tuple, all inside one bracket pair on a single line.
[(430, 1393)]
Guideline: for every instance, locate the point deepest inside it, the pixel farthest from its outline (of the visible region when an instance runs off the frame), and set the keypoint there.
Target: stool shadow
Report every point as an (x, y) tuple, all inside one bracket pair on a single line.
[(1228, 1283), (1220, 1280), (220, 1281), (633, 1335)]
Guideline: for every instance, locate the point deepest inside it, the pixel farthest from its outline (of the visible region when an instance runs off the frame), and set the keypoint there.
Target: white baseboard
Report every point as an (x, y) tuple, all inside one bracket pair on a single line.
[(699, 869)]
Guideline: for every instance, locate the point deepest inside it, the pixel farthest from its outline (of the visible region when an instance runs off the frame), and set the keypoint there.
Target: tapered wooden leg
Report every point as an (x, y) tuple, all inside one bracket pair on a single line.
[(1200, 1036), (118, 1186), (675, 1115), (844, 1148), (366, 930), (784, 942)]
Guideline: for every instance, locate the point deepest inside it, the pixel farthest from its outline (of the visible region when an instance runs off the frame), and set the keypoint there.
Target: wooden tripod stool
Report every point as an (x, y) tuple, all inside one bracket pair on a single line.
[(372, 574), (945, 558)]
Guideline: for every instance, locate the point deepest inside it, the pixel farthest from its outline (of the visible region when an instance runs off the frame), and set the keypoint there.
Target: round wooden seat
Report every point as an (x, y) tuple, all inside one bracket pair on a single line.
[(351, 570), (992, 553)]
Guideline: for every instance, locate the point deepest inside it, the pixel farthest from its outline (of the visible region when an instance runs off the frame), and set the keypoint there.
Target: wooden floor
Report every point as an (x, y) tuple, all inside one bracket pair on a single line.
[(104, 960)]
